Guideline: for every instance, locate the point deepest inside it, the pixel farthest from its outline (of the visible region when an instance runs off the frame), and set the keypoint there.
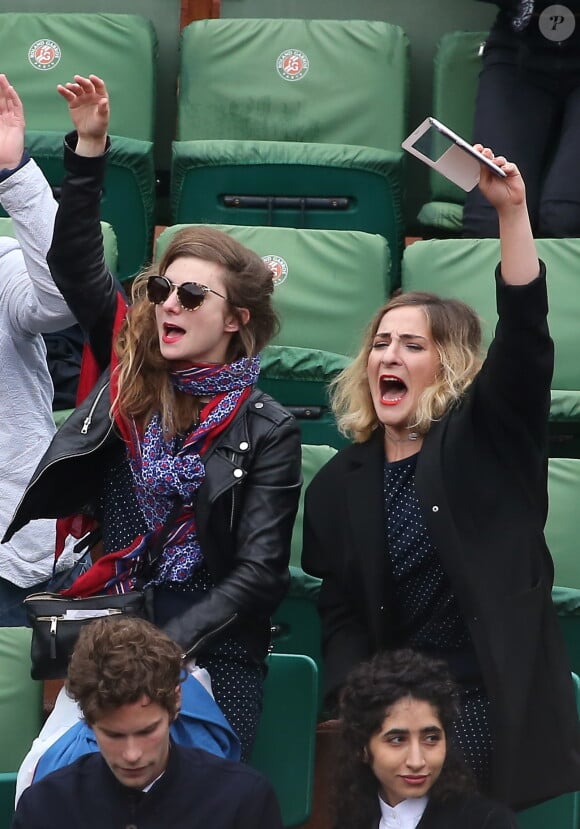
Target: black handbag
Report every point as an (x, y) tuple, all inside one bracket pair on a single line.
[(56, 620)]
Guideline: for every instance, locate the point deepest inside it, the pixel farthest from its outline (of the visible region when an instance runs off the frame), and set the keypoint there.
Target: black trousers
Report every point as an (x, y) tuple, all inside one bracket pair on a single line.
[(528, 109)]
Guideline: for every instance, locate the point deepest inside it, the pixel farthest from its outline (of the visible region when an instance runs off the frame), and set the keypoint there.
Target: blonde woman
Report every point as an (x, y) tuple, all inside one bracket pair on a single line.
[(427, 532)]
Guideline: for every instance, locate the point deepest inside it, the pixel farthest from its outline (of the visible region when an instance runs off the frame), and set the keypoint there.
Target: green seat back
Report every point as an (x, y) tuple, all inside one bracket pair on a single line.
[(464, 268), (331, 81), (328, 283), (40, 50), (284, 747), (109, 240), (299, 379), (20, 698), (562, 539), (300, 109), (313, 459), (296, 624), (457, 64)]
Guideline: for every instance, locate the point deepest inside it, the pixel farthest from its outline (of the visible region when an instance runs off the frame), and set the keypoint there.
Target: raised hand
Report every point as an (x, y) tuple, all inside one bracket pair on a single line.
[(11, 126), (505, 192), (88, 103)]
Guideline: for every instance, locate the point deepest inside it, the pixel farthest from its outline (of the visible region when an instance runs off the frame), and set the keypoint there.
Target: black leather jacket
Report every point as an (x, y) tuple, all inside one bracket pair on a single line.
[(247, 503)]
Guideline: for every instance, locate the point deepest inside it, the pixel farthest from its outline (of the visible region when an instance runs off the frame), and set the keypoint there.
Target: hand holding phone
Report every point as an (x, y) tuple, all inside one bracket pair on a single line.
[(448, 153)]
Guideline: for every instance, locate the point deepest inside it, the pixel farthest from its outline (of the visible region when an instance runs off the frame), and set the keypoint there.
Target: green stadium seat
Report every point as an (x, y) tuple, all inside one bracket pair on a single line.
[(292, 123), (464, 268), (284, 747), (562, 538), (40, 50), (296, 624), (20, 712), (298, 378), (456, 70)]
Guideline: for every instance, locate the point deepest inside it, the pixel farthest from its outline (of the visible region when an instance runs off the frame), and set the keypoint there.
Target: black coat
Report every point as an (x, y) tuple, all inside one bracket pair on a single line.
[(481, 480), (469, 812), (197, 789)]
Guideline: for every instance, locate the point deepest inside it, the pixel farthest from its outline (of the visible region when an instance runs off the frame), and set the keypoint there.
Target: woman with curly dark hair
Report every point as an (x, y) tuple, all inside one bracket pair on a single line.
[(394, 765)]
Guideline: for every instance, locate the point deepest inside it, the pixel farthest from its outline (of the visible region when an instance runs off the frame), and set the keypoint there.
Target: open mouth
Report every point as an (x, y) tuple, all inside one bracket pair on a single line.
[(392, 389), (171, 333)]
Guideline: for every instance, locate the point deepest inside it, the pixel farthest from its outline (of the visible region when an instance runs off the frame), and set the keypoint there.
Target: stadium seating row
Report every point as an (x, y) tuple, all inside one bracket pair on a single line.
[(274, 125)]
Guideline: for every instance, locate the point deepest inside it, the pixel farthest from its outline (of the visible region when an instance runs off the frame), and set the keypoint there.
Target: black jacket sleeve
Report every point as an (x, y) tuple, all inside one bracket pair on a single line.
[(77, 258)]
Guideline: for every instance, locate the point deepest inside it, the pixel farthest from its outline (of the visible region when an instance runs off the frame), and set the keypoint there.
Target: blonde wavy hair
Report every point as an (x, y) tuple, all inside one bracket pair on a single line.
[(456, 332), (144, 385)]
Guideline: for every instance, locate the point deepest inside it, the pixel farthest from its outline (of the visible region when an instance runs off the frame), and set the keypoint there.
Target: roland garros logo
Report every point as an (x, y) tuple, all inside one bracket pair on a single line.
[(278, 266), (44, 54), (292, 65)]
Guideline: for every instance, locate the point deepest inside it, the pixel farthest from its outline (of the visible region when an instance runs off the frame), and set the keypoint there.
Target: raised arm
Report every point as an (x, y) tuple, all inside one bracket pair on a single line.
[(515, 379), (26, 288), (519, 259), (76, 257)]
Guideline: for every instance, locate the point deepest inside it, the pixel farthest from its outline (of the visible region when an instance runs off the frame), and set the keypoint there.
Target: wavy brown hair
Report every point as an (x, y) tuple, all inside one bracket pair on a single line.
[(371, 689), (456, 332), (119, 660), (143, 380)]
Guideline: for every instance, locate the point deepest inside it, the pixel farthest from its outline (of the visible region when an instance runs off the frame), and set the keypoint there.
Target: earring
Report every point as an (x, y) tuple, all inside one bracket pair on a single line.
[(365, 755)]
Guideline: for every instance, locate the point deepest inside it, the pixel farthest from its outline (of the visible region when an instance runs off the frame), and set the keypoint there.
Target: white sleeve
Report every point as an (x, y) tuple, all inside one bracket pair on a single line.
[(34, 304)]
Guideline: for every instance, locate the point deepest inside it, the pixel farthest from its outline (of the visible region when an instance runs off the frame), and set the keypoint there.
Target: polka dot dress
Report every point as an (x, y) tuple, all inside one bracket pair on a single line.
[(237, 680), (426, 615)]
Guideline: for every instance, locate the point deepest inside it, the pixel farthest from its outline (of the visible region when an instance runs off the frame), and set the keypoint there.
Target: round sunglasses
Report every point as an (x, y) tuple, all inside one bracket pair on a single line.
[(190, 295)]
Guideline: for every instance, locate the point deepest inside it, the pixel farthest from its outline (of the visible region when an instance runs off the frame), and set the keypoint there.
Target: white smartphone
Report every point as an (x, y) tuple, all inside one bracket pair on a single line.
[(448, 153)]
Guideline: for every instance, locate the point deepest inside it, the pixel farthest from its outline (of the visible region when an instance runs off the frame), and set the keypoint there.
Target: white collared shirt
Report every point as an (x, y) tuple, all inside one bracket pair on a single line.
[(405, 815)]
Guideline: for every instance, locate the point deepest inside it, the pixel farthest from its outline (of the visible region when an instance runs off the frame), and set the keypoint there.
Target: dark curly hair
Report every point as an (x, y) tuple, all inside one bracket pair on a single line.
[(119, 659), (370, 691)]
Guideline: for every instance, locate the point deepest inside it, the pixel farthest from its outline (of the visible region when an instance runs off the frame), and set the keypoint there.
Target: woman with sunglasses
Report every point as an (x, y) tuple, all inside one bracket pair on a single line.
[(395, 766), (428, 531), (174, 447)]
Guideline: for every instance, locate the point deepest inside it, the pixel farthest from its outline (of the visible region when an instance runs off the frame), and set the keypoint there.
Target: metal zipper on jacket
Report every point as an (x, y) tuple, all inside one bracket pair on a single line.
[(88, 419), (197, 645), (33, 482)]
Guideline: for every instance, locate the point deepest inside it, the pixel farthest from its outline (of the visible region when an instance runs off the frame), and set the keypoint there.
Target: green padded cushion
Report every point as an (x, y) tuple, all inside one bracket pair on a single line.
[(445, 216), (128, 200), (204, 171), (456, 71), (109, 240), (121, 48), (464, 268), (313, 459), (566, 600), (20, 698), (288, 719), (355, 90), (332, 282)]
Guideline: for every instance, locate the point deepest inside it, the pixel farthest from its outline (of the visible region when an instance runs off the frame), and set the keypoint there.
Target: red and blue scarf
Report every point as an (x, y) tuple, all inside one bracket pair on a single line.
[(166, 469)]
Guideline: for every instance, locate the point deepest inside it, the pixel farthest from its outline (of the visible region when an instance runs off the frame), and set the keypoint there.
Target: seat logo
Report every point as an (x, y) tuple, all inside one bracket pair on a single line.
[(292, 65), (278, 266), (44, 54)]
